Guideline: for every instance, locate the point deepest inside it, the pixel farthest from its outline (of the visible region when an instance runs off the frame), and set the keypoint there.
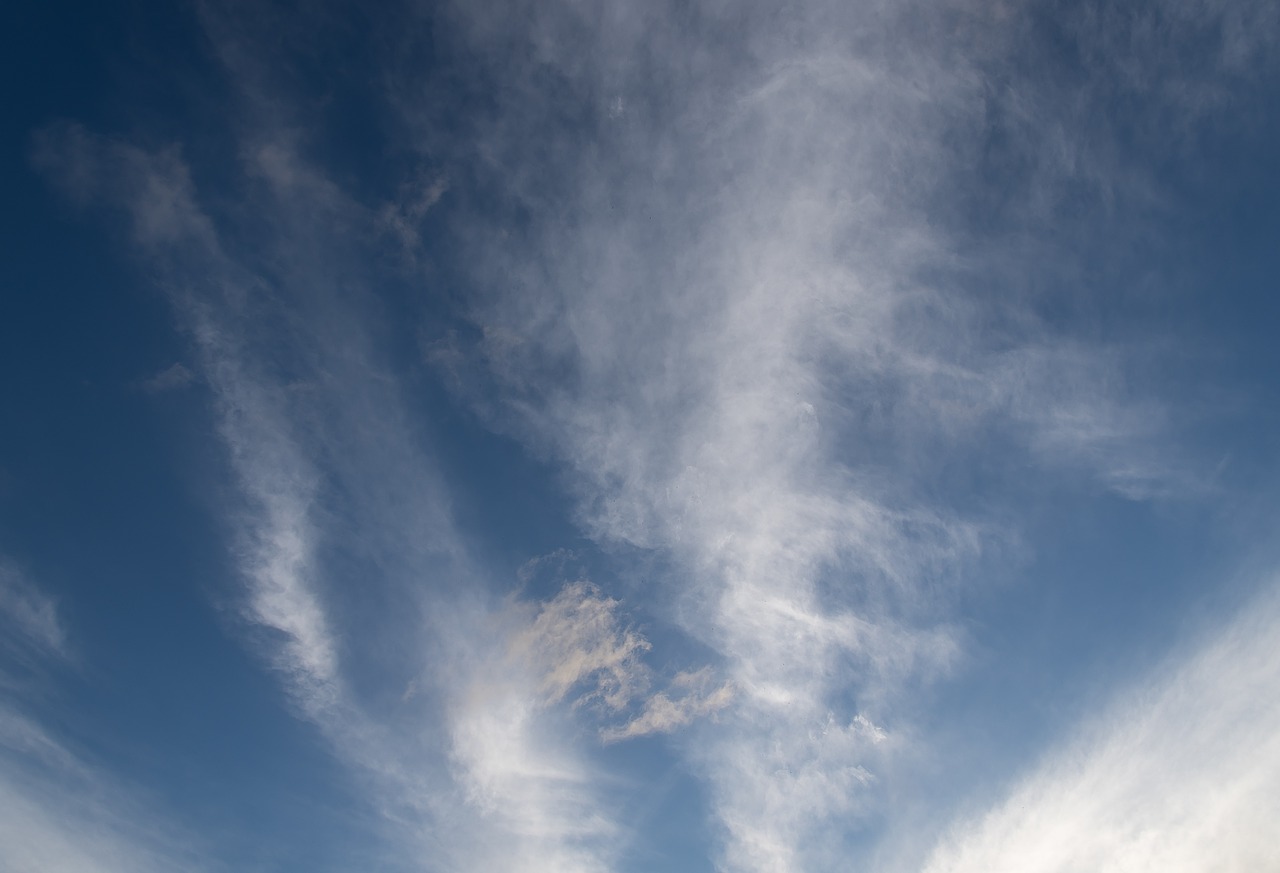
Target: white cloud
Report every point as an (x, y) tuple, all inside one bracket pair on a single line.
[(537, 799), (1178, 774)]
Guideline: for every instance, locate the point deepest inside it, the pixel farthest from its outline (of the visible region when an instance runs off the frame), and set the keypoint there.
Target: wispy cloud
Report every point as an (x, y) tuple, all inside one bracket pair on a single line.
[(1179, 773), (29, 616), (581, 650), (403, 218), (174, 377), (60, 811), (326, 461), (276, 530), (691, 696), (760, 314), (537, 799), (581, 646), (61, 814), (551, 806)]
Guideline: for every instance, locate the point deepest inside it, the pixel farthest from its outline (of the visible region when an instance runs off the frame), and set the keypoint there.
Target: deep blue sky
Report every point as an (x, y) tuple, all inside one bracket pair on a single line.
[(584, 437)]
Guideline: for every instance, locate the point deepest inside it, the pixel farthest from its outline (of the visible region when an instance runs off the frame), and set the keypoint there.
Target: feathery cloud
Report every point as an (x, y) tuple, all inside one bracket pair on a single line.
[(29, 616)]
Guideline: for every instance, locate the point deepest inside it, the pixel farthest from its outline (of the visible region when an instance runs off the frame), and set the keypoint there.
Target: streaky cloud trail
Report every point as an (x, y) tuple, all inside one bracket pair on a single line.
[(61, 810), (1177, 773)]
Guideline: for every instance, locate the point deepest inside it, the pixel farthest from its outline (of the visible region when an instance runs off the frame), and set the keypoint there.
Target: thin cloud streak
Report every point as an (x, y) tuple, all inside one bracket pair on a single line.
[(59, 812), (1177, 774), (62, 814), (59, 825)]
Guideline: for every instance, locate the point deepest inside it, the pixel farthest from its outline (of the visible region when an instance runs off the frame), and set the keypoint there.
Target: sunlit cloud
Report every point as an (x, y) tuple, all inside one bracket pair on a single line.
[(1177, 773)]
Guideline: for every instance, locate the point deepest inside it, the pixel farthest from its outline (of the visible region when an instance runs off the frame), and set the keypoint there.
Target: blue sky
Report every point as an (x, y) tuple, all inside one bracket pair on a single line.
[(585, 437)]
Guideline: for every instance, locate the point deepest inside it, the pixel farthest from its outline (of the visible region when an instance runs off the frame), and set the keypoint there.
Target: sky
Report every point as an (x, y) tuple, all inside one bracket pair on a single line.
[(580, 436)]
